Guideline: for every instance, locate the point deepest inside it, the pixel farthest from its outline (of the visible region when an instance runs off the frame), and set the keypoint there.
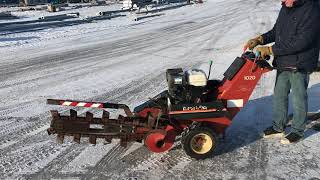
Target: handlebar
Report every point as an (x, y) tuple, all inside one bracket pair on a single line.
[(253, 56), (258, 60), (264, 64)]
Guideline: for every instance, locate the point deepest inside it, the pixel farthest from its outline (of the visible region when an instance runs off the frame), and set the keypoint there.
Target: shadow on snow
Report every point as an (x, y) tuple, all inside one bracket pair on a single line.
[(248, 125)]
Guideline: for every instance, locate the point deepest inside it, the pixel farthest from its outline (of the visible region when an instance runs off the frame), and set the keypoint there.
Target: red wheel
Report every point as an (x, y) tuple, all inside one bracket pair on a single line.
[(160, 141)]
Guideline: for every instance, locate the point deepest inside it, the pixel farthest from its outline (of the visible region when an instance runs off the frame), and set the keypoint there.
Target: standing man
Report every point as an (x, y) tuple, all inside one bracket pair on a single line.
[(296, 51)]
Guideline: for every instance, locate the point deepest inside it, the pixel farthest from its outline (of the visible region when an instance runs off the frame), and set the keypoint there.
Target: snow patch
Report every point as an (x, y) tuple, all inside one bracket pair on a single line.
[(132, 148), (88, 158)]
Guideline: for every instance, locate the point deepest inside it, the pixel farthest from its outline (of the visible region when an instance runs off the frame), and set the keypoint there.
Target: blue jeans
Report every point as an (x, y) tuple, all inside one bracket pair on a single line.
[(298, 83)]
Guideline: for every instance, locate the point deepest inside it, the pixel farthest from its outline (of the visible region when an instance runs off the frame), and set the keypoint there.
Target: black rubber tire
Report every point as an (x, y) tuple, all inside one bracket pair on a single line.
[(186, 142)]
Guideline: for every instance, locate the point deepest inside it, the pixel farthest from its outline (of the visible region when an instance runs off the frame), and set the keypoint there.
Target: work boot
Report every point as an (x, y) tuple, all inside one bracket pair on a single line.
[(316, 127), (291, 138), (271, 133)]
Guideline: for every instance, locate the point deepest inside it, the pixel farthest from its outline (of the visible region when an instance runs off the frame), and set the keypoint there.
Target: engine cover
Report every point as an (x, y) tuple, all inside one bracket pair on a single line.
[(186, 87), (196, 77)]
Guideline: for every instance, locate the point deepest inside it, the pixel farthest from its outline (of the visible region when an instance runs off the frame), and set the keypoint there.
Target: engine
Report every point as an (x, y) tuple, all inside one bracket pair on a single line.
[(186, 87)]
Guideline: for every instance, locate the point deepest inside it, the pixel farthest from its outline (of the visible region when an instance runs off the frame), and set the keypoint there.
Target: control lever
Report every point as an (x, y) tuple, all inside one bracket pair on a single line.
[(211, 62)]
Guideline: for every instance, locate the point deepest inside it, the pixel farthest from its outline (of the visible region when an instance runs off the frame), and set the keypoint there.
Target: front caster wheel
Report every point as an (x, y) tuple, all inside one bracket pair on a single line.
[(200, 143)]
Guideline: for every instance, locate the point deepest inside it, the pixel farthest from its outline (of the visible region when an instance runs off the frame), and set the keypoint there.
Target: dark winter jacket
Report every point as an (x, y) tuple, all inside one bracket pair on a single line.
[(297, 36)]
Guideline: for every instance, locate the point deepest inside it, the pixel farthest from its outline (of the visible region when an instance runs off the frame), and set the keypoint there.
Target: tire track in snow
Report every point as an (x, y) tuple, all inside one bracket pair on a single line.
[(19, 130)]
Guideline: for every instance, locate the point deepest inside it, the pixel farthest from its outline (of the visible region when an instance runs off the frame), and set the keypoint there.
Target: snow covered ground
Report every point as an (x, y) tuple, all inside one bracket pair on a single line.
[(122, 60)]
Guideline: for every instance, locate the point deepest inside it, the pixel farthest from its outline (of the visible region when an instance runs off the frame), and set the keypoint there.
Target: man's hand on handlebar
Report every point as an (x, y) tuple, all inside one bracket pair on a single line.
[(264, 51), (252, 43)]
